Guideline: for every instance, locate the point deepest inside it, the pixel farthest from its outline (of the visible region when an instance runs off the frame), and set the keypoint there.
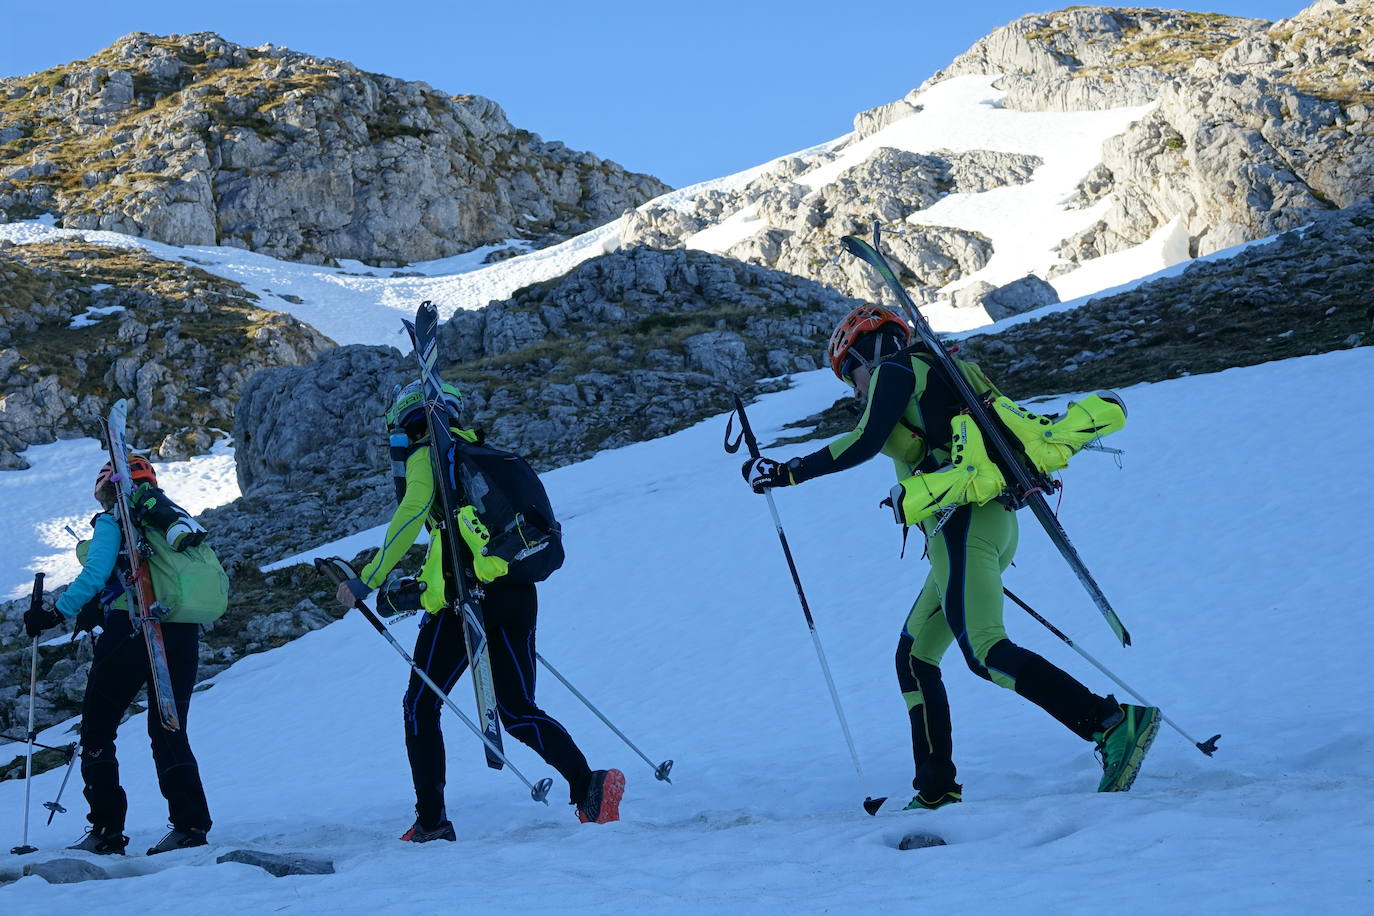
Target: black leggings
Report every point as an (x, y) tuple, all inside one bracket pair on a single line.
[(119, 671), (509, 612)]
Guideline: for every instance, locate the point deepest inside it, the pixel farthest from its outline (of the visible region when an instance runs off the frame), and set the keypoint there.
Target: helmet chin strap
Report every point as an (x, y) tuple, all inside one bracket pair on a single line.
[(878, 355)]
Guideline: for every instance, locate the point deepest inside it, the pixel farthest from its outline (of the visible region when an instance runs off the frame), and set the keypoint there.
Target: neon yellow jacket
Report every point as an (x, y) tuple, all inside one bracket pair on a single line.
[(410, 517)]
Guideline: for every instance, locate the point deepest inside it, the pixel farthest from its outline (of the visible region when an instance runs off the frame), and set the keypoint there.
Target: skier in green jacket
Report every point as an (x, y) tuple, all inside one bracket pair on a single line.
[(916, 419), (509, 612)]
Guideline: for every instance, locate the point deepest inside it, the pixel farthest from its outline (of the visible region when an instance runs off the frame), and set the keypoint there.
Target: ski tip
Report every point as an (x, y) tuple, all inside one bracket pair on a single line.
[(1209, 747), (871, 804), (921, 841)]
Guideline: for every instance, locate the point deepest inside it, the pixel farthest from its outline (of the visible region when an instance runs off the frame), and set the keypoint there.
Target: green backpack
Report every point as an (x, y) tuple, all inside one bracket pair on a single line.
[(191, 582)]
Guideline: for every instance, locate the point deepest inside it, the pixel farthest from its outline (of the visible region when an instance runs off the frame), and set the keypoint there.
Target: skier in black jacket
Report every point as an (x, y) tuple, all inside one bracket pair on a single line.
[(509, 612)]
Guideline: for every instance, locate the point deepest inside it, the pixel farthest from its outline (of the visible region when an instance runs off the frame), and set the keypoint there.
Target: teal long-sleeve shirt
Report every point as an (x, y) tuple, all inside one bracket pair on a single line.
[(97, 567)]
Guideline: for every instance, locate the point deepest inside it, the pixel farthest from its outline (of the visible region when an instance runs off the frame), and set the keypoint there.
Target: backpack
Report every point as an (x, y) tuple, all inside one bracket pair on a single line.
[(511, 502), (191, 582)]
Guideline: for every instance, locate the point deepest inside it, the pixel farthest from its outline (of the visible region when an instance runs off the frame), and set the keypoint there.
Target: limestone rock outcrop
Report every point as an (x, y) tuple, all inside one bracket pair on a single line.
[(194, 140)]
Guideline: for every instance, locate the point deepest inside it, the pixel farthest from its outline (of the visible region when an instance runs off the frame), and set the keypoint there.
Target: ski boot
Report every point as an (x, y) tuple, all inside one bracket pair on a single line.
[(1123, 744), (152, 507), (177, 838), (930, 801), (103, 841), (970, 477), (601, 804), (420, 834), (1049, 443)]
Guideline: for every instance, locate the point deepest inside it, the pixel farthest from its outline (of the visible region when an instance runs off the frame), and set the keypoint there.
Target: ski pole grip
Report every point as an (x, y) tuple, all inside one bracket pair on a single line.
[(338, 572), (746, 429), (36, 599)]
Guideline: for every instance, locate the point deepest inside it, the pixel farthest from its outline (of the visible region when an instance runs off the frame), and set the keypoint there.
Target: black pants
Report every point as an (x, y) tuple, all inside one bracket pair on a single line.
[(120, 670), (509, 612)]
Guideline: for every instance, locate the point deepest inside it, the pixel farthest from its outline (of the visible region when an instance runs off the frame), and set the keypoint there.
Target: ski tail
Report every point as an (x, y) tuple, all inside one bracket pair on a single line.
[(1025, 488)]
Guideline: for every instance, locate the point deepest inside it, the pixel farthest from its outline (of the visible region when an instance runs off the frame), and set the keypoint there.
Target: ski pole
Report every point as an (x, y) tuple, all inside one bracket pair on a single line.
[(46, 747), (661, 770), (35, 604), (1208, 747), (871, 804), (338, 571), (55, 806)]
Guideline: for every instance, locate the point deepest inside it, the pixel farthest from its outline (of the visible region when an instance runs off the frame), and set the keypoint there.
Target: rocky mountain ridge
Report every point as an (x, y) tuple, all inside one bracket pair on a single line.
[(801, 227), (627, 347), (83, 324), (194, 140), (1257, 125)]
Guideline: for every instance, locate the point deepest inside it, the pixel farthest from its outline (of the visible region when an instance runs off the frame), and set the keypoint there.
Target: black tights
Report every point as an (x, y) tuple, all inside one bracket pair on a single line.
[(509, 612)]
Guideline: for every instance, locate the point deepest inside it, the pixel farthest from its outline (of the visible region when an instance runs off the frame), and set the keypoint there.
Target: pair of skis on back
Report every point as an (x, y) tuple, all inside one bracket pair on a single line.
[(424, 336), (1027, 489)]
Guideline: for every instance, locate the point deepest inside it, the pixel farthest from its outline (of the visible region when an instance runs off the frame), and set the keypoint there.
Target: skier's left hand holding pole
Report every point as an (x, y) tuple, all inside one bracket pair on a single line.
[(38, 619)]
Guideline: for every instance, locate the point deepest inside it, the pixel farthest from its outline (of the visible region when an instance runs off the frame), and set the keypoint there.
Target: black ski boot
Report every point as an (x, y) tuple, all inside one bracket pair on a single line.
[(601, 804), (177, 838), (103, 841), (421, 834)]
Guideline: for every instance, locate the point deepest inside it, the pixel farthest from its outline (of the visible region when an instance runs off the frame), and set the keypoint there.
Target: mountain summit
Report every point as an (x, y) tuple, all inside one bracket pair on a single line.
[(191, 139)]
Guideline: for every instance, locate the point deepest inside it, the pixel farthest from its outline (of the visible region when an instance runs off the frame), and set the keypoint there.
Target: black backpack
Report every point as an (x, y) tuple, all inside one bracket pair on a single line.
[(510, 500)]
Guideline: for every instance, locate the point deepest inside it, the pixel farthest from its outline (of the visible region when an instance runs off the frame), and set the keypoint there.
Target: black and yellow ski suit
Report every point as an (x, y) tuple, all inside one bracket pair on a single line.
[(907, 417), (509, 612)]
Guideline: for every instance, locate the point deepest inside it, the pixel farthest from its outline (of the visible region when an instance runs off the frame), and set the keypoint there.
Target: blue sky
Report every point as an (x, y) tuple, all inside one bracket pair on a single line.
[(682, 91)]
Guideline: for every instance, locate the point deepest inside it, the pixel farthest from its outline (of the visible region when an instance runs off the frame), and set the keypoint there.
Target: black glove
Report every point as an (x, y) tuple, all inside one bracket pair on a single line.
[(91, 616), (399, 595), (761, 473), (36, 620)]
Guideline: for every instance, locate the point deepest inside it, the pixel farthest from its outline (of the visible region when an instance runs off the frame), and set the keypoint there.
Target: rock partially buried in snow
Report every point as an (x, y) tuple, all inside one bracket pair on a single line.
[(920, 841), (281, 864), (1023, 295), (66, 871)]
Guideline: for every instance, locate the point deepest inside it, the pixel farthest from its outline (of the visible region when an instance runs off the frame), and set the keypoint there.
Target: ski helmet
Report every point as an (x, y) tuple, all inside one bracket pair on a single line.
[(863, 320), (140, 470), (408, 404)]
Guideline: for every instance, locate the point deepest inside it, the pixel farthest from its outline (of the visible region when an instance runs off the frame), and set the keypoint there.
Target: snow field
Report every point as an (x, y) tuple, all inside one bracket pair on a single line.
[(675, 613), (55, 494)]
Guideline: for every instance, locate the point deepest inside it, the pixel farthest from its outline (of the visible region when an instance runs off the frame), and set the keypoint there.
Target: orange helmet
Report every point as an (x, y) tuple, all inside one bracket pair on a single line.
[(139, 470), (863, 320)]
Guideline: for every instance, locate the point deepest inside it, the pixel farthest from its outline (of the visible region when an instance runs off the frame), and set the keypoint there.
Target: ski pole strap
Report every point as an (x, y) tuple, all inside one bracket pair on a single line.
[(746, 431)]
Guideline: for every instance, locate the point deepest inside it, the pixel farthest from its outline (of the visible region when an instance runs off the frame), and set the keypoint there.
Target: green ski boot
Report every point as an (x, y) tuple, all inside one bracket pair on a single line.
[(922, 801), (1123, 744)]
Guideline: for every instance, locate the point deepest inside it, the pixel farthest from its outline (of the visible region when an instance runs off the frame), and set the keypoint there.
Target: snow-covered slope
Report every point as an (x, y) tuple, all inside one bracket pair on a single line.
[(1024, 221), (1240, 582)]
